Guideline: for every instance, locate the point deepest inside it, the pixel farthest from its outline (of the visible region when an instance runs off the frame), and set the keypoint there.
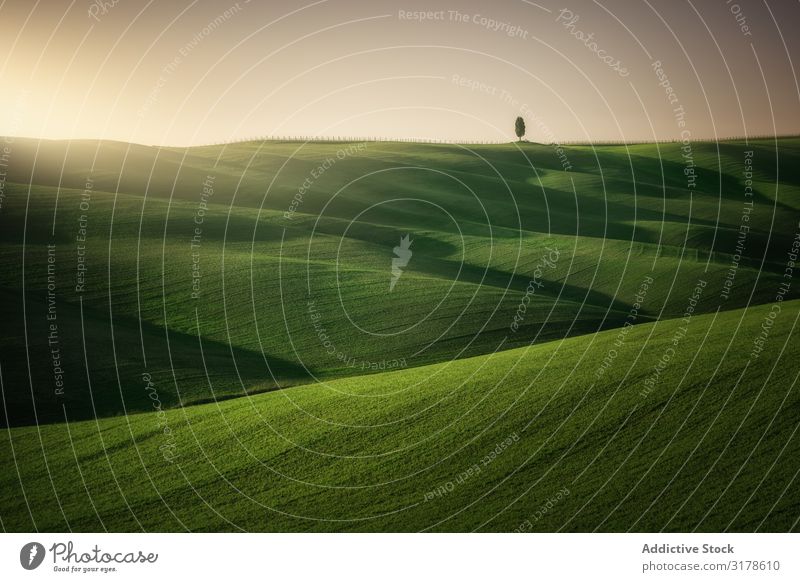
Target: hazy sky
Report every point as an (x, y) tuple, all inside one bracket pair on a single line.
[(188, 72)]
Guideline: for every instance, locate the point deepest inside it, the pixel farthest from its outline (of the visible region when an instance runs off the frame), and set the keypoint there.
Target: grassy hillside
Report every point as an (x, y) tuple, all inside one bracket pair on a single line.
[(236, 337), (285, 280), (579, 434)]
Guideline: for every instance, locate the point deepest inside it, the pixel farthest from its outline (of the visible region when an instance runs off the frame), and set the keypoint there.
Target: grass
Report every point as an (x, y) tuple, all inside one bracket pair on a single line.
[(300, 394), (712, 447)]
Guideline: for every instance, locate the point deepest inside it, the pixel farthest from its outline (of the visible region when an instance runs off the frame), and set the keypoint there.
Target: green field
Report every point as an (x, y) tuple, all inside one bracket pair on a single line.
[(607, 348)]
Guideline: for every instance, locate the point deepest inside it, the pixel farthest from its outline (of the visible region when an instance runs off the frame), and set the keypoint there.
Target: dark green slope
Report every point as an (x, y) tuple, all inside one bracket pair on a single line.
[(481, 443)]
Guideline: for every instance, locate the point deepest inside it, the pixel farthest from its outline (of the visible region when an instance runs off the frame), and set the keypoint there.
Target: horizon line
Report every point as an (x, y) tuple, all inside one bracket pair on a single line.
[(8, 139)]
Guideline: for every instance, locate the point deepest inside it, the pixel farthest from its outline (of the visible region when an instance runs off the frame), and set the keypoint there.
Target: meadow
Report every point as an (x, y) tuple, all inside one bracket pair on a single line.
[(211, 339)]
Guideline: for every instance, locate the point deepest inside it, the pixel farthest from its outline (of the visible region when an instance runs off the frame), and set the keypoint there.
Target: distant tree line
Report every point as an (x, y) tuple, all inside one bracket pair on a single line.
[(519, 130)]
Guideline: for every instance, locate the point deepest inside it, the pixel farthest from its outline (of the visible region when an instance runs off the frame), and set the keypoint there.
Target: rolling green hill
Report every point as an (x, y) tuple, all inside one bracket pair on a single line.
[(224, 337), (525, 439), (285, 280)]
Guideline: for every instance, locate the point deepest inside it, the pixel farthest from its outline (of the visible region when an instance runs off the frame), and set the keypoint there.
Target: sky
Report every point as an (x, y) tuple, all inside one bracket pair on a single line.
[(189, 72)]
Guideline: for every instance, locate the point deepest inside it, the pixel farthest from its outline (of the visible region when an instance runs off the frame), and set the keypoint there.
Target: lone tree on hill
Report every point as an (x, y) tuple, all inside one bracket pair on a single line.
[(519, 128)]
